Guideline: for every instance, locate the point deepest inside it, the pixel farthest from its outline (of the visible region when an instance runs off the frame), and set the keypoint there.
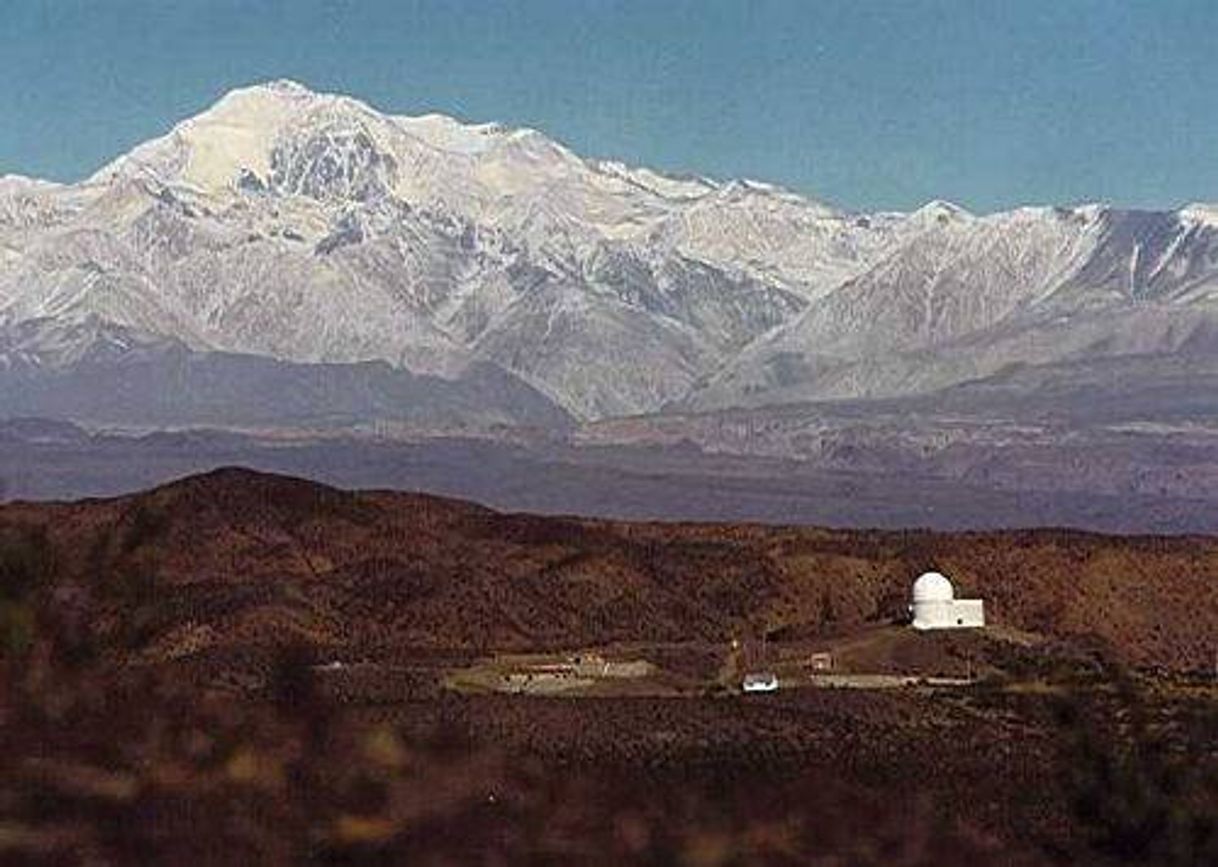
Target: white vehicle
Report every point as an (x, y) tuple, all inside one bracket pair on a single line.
[(764, 681)]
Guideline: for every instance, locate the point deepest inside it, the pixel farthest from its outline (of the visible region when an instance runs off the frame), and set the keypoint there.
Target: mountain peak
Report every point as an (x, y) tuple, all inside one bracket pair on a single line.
[(941, 211), (288, 86), (237, 134), (447, 133), (1205, 213), (313, 228), (280, 90)]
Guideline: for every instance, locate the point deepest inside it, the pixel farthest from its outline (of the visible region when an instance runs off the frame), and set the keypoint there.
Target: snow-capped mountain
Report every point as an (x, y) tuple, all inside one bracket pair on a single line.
[(310, 229), (974, 297)]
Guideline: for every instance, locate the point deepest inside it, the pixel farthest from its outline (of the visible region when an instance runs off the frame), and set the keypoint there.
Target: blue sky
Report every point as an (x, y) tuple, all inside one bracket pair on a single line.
[(865, 104)]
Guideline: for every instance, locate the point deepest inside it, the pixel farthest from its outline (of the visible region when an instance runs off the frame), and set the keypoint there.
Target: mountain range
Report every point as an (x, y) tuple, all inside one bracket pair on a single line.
[(295, 258)]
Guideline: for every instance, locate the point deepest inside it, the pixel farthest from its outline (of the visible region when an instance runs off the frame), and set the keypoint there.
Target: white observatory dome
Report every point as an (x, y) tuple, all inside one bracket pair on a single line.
[(935, 605), (933, 587)]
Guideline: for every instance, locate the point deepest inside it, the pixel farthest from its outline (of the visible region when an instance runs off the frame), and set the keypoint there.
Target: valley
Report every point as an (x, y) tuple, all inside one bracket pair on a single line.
[(826, 465)]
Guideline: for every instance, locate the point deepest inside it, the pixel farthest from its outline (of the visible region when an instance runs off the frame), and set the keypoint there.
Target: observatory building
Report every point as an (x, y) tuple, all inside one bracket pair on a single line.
[(935, 605)]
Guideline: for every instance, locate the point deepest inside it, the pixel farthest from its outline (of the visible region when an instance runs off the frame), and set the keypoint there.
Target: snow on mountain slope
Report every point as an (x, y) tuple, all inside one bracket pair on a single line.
[(285, 139), (26, 202), (1204, 213), (978, 295), (963, 275), (312, 229), (565, 344), (777, 236)]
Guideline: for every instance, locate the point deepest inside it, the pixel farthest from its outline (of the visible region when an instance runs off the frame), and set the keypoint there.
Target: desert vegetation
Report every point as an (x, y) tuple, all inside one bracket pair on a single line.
[(171, 693)]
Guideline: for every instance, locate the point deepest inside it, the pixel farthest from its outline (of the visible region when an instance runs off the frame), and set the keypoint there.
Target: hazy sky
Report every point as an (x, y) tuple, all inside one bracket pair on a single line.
[(865, 104)]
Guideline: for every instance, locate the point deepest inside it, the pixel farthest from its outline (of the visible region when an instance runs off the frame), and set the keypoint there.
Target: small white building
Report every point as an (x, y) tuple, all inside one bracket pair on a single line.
[(935, 605), (761, 681)]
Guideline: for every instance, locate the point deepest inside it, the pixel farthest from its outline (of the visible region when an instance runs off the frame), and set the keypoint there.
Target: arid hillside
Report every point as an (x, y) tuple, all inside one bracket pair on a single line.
[(239, 558), (245, 668)]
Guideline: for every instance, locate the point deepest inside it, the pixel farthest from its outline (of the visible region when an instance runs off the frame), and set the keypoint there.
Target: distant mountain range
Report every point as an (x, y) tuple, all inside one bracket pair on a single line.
[(290, 258)]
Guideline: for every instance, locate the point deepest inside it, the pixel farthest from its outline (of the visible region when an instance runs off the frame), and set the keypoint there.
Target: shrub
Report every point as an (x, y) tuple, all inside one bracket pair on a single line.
[(25, 568), (1141, 801)]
